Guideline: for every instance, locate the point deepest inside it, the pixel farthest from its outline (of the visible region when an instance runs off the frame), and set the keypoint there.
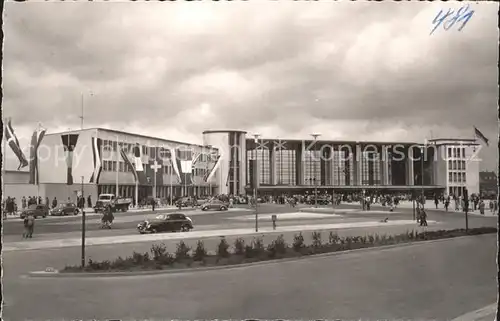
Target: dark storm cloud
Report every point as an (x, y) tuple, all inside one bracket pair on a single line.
[(282, 66)]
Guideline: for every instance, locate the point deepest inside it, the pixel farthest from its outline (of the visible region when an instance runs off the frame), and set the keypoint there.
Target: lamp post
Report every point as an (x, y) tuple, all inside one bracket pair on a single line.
[(315, 136), (422, 151), (256, 140), (83, 231)]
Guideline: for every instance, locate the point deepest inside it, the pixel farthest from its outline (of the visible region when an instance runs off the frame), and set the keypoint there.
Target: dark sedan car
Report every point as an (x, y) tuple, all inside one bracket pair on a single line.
[(65, 209), (35, 210), (215, 205), (175, 222)]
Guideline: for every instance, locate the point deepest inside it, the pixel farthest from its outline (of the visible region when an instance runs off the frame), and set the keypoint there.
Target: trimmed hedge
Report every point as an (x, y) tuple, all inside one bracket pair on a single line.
[(184, 256)]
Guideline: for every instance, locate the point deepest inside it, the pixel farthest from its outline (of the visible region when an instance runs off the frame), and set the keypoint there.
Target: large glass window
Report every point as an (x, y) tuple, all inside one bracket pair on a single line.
[(312, 164), (285, 167)]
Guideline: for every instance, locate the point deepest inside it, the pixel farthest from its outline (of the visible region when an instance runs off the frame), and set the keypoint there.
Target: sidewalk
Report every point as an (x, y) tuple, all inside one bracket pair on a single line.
[(431, 206), (487, 313)]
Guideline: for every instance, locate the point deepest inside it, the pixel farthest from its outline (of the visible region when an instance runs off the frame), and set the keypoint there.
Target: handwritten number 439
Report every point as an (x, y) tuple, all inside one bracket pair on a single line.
[(449, 19)]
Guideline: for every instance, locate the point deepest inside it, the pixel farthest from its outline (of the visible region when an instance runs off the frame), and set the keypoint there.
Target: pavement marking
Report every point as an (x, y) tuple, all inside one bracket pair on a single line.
[(120, 239), (486, 313), (284, 216), (142, 217)]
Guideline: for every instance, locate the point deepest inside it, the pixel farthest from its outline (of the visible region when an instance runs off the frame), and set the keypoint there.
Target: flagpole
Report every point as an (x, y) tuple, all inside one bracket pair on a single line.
[(36, 167), (4, 150), (117, 168), (170, 180)]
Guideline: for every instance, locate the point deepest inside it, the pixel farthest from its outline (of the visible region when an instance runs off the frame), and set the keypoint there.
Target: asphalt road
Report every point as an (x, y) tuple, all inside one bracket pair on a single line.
[(125, 223), (439, 281)]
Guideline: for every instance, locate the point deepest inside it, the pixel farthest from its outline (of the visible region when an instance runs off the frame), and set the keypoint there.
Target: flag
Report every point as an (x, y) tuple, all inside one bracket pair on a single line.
[(97, 157), (139, 169), (11, 139), (154, 155), (212, 168), (480, 135), (128, 163), (69, 142), (36, 139), (182, 163)]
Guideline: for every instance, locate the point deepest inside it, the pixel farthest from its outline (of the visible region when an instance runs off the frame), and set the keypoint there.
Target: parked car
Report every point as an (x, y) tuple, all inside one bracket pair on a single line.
[(166, 223), (186, 202), (214, 205), (65, 209), (36, 210)]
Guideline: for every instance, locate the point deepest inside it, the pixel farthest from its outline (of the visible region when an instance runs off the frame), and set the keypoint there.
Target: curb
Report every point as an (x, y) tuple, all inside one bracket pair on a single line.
[(486, 313), (57, 274)]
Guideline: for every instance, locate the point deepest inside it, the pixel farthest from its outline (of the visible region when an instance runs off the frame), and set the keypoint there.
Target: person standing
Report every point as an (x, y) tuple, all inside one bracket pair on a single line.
[(89, 201), (153, 203), (29, 226), (23, 202), (446, 204), (54, 202)]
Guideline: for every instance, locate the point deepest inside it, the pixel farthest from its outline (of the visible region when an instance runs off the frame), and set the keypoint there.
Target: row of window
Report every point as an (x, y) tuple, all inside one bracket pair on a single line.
[(457, 177), (456, 165), (110, 166), (183, 151), (456, 152)]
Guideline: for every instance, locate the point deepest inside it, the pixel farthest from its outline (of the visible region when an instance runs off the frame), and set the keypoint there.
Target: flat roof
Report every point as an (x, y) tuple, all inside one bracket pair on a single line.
[(224, 131), (340, 142), (126, 133)]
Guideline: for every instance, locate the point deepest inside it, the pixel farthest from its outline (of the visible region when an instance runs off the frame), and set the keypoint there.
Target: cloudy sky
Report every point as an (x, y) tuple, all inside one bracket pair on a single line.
[(356, 71)]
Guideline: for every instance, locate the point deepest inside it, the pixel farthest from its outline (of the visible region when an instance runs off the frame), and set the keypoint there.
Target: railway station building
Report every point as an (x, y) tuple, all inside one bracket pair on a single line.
[(90, 160)]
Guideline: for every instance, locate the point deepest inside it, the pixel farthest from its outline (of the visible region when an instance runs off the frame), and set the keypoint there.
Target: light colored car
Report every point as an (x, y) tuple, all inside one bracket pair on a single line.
[(215, 205)]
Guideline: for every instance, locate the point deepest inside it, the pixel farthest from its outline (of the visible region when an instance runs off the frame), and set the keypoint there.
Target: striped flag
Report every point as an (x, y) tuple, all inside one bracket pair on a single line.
[(480, 135), (128, 163), (139, 168), (11, 139), (36, 139)]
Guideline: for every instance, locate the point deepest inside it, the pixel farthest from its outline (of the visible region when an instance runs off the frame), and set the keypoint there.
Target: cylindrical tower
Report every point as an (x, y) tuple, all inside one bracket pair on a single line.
[(230, 176)]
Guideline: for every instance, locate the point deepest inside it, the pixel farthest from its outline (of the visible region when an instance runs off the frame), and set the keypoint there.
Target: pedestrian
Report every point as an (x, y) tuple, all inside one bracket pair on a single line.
[(423, 217), (29, 226), (54, 202), (436, 201), (89, 201), (446, 204), (153, 203), (23, 202), (481, 207)]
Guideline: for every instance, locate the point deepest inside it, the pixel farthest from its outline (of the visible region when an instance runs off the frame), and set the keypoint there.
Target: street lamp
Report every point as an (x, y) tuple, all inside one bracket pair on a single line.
[(256, 141), (315, 136), (83, 230), (422, 151)]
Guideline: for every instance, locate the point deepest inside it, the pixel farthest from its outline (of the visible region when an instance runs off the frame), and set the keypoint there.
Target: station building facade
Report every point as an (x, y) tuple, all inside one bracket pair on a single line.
[(438, 166), (97, 166), (90, 160)]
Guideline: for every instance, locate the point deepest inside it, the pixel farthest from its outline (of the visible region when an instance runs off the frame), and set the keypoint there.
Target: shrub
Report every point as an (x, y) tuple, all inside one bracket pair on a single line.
[(200, 252), (249, 252), (98, 266), (278, 246), (316, 236), (371, 239), (239, 246), (140, 258), (258, 246), (377, 239), (298, 242), (182, 251), (223, 248), (333, 238), (158, 251)]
